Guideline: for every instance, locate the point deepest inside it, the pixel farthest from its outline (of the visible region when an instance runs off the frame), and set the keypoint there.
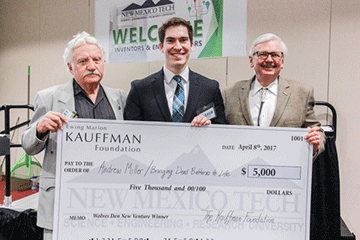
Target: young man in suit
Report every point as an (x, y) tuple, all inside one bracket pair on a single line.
[(269, 100), (85, 95), (155, 98)]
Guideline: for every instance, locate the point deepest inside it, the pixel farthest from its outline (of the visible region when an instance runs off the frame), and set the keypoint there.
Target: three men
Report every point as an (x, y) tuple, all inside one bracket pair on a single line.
[(84, 95), (174, 94), (269, 100), (157, 97)]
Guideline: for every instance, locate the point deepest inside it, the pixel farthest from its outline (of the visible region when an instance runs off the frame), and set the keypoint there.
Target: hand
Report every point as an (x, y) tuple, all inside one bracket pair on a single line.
[(200, 121), (52, 121), (314, 137)]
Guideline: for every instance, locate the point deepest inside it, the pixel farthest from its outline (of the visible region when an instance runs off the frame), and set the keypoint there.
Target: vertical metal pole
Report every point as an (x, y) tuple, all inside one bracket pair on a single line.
[(28, 93), (7, 201)]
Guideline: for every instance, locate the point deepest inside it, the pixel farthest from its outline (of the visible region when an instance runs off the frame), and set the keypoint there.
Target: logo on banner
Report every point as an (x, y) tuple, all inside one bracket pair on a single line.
[(198, 8), (147, 10)]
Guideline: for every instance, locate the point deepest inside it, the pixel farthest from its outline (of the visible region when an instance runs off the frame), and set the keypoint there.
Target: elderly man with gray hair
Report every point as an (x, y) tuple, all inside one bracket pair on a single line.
[(269, 100), (84, 97)]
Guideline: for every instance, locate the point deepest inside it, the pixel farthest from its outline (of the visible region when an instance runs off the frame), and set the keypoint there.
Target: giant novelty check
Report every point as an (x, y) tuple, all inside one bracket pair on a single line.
[(125, 180)]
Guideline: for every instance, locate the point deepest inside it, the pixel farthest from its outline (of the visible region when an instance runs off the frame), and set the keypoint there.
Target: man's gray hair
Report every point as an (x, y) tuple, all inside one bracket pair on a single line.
[(264, 38), (78, 40)]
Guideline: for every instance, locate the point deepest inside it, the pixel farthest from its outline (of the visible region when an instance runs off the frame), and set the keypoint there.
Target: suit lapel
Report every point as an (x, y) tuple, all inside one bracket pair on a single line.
[(244, 101), (284, 93), (66, 98), (159, 93), (194, 91)]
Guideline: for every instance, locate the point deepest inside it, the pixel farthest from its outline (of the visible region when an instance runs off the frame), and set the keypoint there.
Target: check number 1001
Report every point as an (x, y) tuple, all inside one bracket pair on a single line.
[(278, 172)]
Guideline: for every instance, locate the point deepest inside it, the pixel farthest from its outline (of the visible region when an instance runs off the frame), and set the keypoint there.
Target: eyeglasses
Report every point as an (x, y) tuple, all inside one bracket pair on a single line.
[(274, 55)]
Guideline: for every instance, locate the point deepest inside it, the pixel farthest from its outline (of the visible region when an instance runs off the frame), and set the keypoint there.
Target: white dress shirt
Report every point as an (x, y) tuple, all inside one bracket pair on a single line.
[(170, 86), (268, 108)]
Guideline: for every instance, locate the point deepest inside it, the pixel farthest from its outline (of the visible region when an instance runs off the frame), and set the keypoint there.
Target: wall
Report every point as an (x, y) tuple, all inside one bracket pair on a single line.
[(344, 72), (322, 37)]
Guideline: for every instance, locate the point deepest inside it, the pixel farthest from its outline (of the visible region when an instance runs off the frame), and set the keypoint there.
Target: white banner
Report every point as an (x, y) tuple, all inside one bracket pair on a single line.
[(128, 29), (153, 181)]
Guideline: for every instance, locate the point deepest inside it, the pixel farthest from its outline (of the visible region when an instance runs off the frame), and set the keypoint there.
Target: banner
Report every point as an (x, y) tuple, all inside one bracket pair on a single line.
[(153, 181), (128, 29)]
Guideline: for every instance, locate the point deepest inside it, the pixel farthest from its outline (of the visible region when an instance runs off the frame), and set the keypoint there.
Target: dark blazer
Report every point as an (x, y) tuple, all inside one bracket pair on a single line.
[(147, 100)]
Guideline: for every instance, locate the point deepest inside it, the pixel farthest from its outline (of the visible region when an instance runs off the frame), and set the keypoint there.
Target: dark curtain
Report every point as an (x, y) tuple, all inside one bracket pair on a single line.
[(325, 194), (19, 225)]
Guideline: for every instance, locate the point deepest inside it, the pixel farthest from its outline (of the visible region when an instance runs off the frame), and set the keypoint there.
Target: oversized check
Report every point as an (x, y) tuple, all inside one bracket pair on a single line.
[(126, 180)]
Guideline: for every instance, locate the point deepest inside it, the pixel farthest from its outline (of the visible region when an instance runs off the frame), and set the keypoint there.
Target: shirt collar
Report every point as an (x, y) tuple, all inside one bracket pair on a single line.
[(168, 75), (79, 90), (273, 87)]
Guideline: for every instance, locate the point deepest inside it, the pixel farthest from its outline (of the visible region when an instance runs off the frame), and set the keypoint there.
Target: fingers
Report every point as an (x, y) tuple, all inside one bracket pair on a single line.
[(200, 121), (52, 121), (314, 129), (314, 137)]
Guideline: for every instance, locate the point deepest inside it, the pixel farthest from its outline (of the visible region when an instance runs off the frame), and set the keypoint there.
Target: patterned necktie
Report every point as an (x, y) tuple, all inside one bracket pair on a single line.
[(263, 95), (178, 103)]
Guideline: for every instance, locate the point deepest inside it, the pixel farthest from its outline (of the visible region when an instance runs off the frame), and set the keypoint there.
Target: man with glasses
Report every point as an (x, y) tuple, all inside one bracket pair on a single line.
[(269, 100)]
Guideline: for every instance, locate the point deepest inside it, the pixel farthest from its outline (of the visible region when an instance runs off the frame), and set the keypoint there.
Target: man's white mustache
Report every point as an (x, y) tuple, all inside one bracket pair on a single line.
[(271, 65), (92, 72)]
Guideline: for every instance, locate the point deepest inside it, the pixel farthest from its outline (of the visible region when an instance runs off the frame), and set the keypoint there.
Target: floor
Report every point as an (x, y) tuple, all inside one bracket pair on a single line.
[(29, 202)]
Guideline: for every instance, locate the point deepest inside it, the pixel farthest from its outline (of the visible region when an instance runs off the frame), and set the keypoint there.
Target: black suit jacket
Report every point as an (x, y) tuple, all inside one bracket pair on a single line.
[(147, 100)]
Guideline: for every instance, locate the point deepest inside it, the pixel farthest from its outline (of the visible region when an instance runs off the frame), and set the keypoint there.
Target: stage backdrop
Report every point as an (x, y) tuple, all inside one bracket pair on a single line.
[(128, 29)]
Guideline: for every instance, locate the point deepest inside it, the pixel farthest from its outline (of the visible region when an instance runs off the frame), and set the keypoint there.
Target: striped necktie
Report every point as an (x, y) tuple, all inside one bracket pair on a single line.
[(179, 99)]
